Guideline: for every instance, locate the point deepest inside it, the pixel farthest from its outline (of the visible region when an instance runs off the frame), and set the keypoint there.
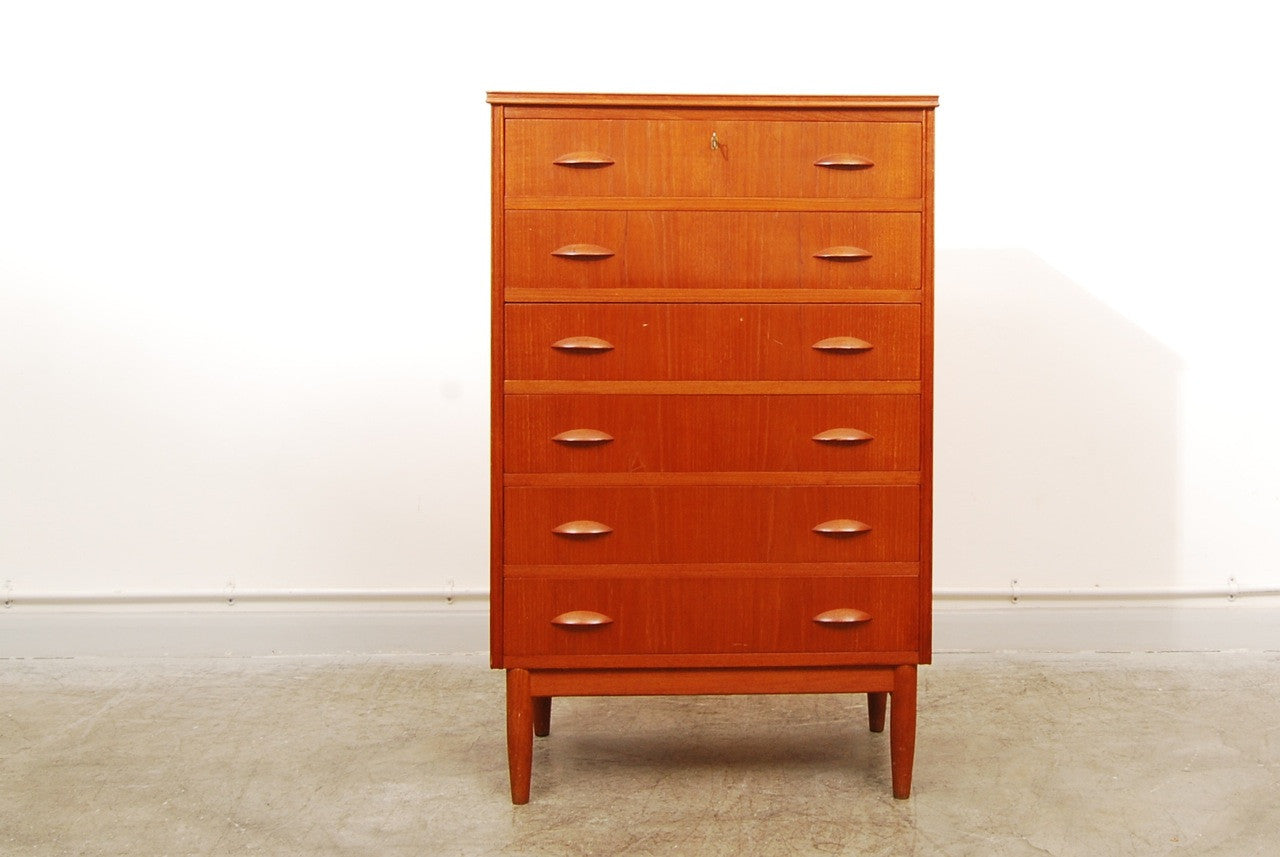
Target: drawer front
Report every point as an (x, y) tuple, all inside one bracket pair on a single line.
[(649, 433), (712, 249), (710, 524), (718, 615), (675, 157), (696, 342)]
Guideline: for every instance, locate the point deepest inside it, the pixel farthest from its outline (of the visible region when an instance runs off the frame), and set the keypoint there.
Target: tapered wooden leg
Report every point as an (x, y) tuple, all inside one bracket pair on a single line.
[(902, 728), (541, 715), (875, 710), (519, 734)]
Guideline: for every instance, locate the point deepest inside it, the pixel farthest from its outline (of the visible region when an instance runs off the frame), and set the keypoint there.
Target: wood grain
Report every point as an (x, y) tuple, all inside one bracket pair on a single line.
[(541, 716), (833, 478), (698, 523), (714, 296), (686, 615), (790, 103), (655, 501), (740, 570), (877, 705), (716, 388), (642, 682), (712, 249), (497, 285), (673, 157), (519, 734), (700, 203), (927, 380), (902, 728), (713, 341), (726, 660), (664, 434)]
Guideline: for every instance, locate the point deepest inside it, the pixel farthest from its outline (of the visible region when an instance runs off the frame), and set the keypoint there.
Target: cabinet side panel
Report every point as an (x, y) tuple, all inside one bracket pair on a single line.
[(926, 411), (495, 398)]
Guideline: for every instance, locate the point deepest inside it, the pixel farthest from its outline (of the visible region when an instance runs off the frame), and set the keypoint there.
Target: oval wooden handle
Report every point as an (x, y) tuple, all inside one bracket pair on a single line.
[(844, 161), (843, 344), (583, 252), (584, 344), (582, 619), (841, 527), (584, 160), (582, 437), (582, 528), (843, 253), (842, 435), (842, 616)]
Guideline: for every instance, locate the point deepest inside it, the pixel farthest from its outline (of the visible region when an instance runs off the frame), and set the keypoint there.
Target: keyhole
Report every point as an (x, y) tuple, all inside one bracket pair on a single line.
[(716, 145)]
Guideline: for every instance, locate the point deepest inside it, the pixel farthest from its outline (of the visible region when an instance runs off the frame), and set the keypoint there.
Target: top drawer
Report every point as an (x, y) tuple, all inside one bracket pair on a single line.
[(707, 157)]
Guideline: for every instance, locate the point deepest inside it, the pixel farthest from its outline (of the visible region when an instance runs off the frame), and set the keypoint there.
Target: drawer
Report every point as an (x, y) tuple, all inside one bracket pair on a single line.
[(710, 524), (696, 342), (712, 249), (649, 433), (712, 615), (674, 157)]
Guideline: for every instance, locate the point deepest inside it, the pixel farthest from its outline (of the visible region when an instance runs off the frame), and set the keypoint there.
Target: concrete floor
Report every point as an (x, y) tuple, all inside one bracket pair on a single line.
[(1144, 754)]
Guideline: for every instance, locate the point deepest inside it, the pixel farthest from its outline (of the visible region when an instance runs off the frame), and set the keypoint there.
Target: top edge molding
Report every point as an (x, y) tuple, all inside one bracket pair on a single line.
[(594, 99)]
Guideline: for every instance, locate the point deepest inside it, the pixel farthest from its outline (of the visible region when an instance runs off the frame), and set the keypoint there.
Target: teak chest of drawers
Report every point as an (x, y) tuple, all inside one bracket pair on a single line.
[(712, 399)]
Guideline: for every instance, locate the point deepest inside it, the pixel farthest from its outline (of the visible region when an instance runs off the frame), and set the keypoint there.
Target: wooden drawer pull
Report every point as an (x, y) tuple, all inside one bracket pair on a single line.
[(842, 435), (842, 616), (584, 160), (843, 345), (582, 437), (841, 527), (583, 252), (843, 253), (584, 344), (843, 161), (582, 619), (582, 528)]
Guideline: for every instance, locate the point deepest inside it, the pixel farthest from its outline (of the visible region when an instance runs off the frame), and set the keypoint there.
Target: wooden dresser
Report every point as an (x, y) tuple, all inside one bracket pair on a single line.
[(712, 397)]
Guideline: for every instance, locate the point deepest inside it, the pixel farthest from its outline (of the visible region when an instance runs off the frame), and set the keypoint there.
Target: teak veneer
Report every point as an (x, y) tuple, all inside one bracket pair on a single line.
[(712, 401)]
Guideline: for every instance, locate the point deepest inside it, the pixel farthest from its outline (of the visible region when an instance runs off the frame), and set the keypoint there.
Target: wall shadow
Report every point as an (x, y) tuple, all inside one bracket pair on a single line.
[(1056, 444)]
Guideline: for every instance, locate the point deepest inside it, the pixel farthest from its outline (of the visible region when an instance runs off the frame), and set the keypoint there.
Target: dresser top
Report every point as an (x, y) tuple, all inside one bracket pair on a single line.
[(593, 99)]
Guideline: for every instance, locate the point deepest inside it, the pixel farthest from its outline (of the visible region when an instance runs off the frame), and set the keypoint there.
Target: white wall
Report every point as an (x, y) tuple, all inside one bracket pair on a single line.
[(244, 276)]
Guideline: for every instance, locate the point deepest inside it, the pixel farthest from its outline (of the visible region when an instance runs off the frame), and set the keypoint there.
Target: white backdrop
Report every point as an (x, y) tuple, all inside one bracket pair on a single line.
[(244, 278)]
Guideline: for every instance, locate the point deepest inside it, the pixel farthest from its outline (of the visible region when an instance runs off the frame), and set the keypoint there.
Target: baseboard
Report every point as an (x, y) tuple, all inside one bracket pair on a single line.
[(129, 634), (464, 628), (1107, 628)]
